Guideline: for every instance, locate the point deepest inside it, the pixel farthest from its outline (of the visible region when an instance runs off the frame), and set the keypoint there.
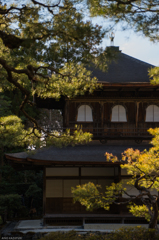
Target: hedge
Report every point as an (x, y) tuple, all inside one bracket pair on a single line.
[(126, 233)]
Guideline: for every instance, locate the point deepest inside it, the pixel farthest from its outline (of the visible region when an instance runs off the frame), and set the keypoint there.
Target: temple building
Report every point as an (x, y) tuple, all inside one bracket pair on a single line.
[(118, 115)]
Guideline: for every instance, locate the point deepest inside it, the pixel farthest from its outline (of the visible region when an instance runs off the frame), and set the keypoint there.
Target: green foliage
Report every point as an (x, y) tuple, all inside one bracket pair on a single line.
[(33, 190), (34, 196), (140, 211), (89, 196), (59, 235), (154, 75), (76, 81), (13, 133), (132, 233), (66, 47), (11, 176), (5, 106), (10, 203), (68, 137), (44, 51), (64, 38), (25, 184), (74, 236), (141, 15)]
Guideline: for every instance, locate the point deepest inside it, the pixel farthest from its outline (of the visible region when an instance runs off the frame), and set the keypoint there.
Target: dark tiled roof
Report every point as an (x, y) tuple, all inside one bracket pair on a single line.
[(124, 69), (80, 153)]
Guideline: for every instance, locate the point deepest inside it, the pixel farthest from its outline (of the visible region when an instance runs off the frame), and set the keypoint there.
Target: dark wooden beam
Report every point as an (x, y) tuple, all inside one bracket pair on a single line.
[(79, 177)]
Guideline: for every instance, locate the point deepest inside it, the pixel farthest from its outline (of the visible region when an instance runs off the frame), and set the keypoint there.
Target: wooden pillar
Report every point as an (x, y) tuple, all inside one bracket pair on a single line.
[(137, 113), (119, 173), (79, 175), (110, 105), (102, 114), (143, 112), (44, 191)]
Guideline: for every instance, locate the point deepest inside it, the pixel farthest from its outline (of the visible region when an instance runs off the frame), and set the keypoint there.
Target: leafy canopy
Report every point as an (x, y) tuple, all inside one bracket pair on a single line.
[(44, 49), (141, 15)]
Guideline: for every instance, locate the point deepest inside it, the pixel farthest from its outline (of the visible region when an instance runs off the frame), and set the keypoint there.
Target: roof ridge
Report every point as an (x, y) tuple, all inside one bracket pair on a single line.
[(137, 60)]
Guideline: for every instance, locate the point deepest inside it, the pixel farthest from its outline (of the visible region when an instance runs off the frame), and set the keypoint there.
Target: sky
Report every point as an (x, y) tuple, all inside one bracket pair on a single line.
[(131, 43), (136, 46)]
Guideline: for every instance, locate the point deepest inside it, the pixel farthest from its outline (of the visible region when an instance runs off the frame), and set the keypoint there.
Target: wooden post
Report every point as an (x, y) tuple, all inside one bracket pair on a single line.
[(102, 115), (83, 221), (137, 113), (44, 191)]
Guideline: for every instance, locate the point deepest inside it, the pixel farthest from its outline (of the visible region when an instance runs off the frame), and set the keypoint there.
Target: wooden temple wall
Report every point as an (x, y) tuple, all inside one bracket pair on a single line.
[(102, 111), (102, 126), (59, 180)]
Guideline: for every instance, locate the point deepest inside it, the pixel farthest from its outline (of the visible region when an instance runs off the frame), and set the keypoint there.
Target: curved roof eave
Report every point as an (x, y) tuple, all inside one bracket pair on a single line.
[(80, 154)]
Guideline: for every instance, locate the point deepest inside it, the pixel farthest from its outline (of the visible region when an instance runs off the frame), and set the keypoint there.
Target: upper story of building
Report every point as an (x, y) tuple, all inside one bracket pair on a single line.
[(125, 107)]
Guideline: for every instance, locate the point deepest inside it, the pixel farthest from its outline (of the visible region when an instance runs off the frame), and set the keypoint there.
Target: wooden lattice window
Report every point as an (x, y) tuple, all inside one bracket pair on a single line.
[(118, 114), (84, 114), (152, 113)]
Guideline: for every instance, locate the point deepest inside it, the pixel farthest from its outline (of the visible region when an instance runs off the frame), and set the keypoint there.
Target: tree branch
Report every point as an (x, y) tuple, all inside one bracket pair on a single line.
[(47, 6)]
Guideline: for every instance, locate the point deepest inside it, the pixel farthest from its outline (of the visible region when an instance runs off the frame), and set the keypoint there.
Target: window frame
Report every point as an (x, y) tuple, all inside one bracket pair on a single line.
[(153, 114), (118, 113), (85, 113)]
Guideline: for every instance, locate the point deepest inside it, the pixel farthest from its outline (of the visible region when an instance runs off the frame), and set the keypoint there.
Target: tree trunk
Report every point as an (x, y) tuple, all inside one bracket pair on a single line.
[(1, 156), (1, 161), (153, 221)]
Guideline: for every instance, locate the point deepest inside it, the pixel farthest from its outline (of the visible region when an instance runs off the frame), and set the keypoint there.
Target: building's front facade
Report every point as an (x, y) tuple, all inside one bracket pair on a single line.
[(118, 115)]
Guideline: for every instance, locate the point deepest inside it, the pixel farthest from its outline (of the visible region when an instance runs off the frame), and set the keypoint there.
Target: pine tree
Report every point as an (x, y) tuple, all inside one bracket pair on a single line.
[(43, 51)]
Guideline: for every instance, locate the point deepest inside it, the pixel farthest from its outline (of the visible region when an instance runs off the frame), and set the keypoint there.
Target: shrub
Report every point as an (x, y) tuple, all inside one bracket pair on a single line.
[(9, 204), (71, 235), (134, 233), (95, 236), (126, 233)]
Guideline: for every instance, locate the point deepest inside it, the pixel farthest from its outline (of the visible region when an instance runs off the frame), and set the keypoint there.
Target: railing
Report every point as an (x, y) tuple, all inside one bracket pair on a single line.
[(109, 133), (121, 132)]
